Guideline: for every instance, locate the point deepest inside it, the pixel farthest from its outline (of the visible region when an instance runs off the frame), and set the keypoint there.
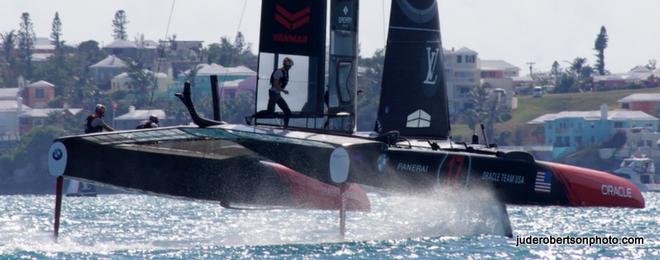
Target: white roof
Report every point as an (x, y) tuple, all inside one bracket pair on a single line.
[(110, 62), (639, 97), (232, 83), (41, 83), (142, 114), (43, 43), (44, 112), (618, 115), (10, 105), (465, 50), (497, 65), (216, 69), (8, 93), (623, 76), (122, 75), (640, 68), (39, 57), (120, 44)]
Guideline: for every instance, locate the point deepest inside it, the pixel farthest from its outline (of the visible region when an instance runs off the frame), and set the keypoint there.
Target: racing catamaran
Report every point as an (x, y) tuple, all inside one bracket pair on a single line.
[(319, 160)]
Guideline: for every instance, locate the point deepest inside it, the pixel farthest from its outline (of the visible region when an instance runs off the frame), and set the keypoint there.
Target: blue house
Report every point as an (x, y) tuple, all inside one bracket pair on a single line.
[(567, 131)]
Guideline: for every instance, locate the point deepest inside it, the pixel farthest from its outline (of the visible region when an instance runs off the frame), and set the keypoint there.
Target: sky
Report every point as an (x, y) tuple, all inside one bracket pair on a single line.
[(518, 31)]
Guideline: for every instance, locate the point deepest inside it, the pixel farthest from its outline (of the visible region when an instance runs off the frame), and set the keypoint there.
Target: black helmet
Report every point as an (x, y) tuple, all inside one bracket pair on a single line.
[(100, 108), (153, 118), (287, 62)]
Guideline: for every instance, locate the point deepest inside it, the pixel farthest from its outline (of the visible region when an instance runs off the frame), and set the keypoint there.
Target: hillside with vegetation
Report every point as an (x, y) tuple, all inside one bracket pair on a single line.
[(530, 107)]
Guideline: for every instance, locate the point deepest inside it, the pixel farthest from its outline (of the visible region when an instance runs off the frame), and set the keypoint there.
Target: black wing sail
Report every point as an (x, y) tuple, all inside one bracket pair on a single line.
[(414, 97)]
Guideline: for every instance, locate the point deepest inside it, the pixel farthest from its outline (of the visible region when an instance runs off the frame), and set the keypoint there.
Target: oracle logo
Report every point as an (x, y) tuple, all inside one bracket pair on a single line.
[(616, 191), (292, 21)]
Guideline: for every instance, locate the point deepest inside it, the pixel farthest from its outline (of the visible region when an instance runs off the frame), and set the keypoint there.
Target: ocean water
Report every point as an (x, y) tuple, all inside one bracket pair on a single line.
[(456, 226)]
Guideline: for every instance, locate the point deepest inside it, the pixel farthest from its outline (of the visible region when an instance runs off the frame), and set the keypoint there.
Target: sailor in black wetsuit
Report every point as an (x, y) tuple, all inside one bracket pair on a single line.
[(278, 80), (152, 122), (95, 123)]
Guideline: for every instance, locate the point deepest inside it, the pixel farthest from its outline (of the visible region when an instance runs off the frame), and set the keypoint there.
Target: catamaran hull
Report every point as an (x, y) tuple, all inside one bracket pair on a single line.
[(226, 164)]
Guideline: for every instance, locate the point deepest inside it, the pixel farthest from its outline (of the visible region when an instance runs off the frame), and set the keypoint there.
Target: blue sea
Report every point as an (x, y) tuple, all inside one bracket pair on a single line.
[(450, 225)]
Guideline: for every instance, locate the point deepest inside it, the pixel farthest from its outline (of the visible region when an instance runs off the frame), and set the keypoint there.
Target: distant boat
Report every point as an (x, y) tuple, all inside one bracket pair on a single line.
[(80, 189), (641, 172)]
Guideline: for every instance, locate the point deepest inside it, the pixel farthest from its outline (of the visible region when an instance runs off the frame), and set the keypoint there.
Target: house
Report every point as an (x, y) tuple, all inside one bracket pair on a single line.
[(104, 70), (11, 106), (134, 117), (123, 80), (35, 117), (497, 69), (497, 76), (639, 76), (38, 94), (647, 102), (43, 49), (567, 131), (230, 89), (122, 48), (204, 71), (461, 76)]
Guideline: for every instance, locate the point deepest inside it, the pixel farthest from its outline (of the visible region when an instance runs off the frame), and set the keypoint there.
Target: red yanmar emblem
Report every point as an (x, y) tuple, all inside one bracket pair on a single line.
[(289, 20)]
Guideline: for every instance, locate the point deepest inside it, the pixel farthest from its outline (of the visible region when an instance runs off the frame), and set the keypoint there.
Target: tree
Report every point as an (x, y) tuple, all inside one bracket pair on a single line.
[(119, 26), (142, 81), (26, 39), (227, 53), (56, 33), (7, 60), (600, 46), (486, 110)]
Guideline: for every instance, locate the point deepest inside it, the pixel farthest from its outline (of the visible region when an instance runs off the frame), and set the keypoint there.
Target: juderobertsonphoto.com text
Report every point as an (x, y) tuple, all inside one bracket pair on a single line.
[(571, 240)]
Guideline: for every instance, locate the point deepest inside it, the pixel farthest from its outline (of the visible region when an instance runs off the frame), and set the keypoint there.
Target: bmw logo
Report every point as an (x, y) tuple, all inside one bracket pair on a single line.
[(57, 159), (57, 154), (382, 162)]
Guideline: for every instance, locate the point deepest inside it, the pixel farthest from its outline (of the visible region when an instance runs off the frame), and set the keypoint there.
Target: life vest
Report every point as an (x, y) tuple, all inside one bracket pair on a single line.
[(92, 129), (284, 80)]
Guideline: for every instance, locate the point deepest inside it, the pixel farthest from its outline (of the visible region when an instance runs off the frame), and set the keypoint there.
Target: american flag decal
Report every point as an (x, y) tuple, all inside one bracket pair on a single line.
[(543, 181)]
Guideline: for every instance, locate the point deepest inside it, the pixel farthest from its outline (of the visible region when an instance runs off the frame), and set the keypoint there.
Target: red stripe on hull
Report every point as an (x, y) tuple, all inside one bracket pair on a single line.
[(591, 188), (311, 193)]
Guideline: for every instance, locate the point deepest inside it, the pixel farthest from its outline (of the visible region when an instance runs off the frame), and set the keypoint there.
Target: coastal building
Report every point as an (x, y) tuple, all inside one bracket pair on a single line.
[(104, 70), (38, 94), (567, 131), (462, 74), (637, 77), (122, 48), (34, 117), (135, 116), (43, 49), (204, 71), (497, 76), (123, 81), (647, 102), (11, 106), (230, 89)]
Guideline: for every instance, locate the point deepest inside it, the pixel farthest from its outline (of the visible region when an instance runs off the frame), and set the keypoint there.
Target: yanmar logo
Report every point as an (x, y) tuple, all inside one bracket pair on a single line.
[(291, 21)]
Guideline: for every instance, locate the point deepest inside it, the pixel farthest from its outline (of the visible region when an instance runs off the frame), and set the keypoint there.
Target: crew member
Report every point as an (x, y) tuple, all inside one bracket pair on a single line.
[(152, 122), (95, 123), (278, 81)]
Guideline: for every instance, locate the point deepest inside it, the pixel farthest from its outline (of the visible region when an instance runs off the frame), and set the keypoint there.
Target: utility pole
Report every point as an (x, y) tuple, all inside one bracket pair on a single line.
[(531, 66)]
